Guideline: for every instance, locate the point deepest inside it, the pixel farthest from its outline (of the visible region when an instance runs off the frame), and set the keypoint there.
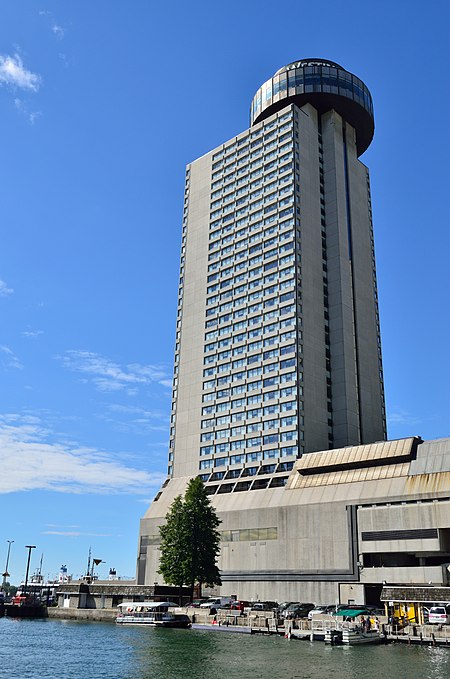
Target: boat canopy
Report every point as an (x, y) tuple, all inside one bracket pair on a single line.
[(147, 604), (351, 612)]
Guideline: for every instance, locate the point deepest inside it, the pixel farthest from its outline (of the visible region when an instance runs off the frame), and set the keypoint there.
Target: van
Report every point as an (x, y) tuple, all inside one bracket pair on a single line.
[(218, 602), (439, 615)]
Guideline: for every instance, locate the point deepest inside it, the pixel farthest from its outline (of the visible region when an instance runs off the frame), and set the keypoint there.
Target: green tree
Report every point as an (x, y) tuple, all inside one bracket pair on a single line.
[(173, 543), (10, 590), (190, 541)]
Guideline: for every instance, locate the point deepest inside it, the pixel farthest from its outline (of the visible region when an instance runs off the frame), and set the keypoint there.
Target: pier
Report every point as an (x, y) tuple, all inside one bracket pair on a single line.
[(307, 630), (267, 624)]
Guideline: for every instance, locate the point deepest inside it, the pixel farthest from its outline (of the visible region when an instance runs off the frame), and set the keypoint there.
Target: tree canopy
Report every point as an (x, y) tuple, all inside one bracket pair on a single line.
[(190, 541)]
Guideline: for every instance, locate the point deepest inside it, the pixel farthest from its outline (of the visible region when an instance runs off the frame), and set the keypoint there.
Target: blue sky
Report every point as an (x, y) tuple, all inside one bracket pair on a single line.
[(102, 104)]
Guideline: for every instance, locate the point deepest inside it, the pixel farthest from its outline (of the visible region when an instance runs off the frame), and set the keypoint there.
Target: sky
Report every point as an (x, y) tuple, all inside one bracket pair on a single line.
[(102, 105)]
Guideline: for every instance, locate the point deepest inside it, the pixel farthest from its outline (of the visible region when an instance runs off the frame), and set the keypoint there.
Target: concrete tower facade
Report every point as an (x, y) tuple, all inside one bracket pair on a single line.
[(278, 346)]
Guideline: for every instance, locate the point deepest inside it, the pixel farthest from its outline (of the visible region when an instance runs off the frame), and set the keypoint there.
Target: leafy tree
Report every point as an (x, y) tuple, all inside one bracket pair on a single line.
[(10, 590), (204, 537), (173, 543), (190, 541)]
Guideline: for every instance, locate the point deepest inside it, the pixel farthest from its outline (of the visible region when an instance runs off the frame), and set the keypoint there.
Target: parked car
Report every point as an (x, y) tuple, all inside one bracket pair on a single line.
[(264, 605), (297, 610), (217, 602), (439, 615), (197, 603), (330, 609), (239, 605), (318, 610), (287, 609), (282, 607)]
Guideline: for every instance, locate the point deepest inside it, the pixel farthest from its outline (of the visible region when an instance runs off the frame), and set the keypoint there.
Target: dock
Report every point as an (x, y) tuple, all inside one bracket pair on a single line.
[(267, 624), (239, 629), (307, 630)]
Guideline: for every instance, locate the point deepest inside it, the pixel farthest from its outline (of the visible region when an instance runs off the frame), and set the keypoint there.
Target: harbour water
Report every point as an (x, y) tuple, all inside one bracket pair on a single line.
[(66, 649)]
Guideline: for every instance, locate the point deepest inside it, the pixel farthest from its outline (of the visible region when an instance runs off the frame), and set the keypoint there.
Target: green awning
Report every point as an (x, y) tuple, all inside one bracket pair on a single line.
[(351, 612)]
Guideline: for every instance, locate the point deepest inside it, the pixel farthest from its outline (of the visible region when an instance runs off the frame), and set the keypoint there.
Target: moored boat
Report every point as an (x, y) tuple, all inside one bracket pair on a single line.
[(25, 607), (153, 613), (351, 635)]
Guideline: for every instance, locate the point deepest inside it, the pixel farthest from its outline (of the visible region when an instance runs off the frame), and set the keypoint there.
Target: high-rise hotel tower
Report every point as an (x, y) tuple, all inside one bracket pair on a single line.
[(277, 342)]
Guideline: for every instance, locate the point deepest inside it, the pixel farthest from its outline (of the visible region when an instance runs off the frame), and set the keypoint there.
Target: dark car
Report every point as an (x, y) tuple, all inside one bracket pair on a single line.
[(197, 603), (299, 610), (282, 607), (264, 605)]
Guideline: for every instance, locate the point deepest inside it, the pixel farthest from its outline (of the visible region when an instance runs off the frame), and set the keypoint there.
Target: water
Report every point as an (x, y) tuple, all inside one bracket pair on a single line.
[(65, 649)]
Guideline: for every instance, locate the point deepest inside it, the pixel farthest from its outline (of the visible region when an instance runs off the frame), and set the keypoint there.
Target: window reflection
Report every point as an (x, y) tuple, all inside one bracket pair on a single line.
[(312, 79)]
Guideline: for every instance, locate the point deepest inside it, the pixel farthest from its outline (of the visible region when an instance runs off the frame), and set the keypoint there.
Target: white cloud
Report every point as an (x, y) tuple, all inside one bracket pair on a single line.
[(8, 359), (58, 31), (135, 420), (14, 74), (31, 116), (32, 461), (109, 376), (75, 534), (58, 525), (400, 416), (32, 333), (4, 290), (140, 414)]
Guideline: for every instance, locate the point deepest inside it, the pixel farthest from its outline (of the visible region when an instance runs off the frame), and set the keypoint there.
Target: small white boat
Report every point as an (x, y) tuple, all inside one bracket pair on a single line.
[(153, 613), (351, 635), (355, 635)]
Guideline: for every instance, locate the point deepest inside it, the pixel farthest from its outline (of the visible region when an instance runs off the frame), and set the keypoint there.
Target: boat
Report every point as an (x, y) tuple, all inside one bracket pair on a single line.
[(348, 632), (152, 613), (22, 606), (351, 634)]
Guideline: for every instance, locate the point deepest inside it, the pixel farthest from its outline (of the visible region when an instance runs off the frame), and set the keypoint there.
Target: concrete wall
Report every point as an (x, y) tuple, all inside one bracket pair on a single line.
[(357, 388), (312, 288), (404, 517), (318, 532), (190, 376), (368, 347), (105, 615), (344, 385)]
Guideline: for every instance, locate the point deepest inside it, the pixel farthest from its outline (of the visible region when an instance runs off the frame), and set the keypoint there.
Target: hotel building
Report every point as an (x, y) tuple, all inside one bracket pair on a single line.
[(278, 349)]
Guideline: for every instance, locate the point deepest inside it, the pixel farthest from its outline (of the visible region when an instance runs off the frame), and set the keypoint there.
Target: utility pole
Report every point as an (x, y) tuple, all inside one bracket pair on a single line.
[(29, 547), (6, 574), (95, 562), (88, 571)]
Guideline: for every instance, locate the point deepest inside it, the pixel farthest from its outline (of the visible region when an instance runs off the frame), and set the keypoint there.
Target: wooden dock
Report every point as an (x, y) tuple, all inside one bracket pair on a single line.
[(236, 629)]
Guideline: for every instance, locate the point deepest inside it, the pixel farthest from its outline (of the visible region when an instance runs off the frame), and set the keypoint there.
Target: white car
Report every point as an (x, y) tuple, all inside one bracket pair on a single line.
[(439, 615), (217, 602), (318, 610)]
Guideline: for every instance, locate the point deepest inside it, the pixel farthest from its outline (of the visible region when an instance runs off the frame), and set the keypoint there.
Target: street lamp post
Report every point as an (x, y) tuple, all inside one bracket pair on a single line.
[(29, 547), (6, 574), (95, 562)]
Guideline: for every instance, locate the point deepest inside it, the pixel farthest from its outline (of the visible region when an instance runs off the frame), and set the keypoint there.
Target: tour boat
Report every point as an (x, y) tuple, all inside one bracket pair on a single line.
[(154, 613)]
